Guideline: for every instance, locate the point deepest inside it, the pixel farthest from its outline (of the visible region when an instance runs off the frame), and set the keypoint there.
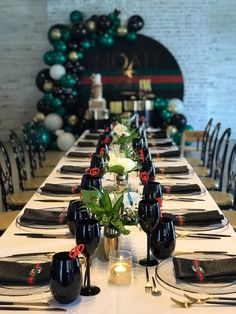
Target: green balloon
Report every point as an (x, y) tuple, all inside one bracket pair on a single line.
[(177, 138), (57, 102), (61, 111), (106, 40), (187, 127), (66, 34), (59, 58), (45, 135), (131, 36), (60, 46), (86, 44), (166, 115), (48, 58), (68, 80), (75, 92), (161, 103), (48, 98), (76, 16)]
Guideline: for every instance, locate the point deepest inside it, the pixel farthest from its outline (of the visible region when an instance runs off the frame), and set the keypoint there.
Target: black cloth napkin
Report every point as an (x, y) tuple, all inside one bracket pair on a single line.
[(44, 217), (205, 270), (202, 219), (158, 134), (171, 153), (170, 170), (86, 144), (15, 273), (92, 136), (60, 188), (181, 189), (79, 154), (73, 169), (161, 144)]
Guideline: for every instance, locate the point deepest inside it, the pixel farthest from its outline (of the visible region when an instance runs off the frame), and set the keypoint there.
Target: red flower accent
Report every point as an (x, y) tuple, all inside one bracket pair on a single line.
[(106, 140), (94, 171), (144, 176), (102, 151), (76, 251), (74, 189)]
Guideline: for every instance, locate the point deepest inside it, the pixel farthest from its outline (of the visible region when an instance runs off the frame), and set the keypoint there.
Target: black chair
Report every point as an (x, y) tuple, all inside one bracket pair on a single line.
[(227, 200), (19, 154), (216, 181), (35, 152), (207, 170), (10, 199), (205, 139)]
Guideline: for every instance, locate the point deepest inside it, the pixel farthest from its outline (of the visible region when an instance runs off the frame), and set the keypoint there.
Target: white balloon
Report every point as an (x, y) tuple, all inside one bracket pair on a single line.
[(65, 141), (53, 122), (57, 71), (59, 132), (178, 103)]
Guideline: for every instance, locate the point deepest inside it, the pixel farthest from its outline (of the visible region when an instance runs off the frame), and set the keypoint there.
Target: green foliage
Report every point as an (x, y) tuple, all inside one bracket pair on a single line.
[(108, 214)]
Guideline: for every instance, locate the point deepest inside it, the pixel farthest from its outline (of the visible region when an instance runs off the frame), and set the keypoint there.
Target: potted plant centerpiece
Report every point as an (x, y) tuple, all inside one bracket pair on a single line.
[(110, 212)]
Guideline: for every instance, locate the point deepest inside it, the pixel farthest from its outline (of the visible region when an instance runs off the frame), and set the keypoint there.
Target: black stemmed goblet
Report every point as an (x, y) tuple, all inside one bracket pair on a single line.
[(66, 277), (102, 149), (145, 155), (149, 215), (89, 182), (147, 172), (88, 233), (97, 165), (163, 239), (152, 190), (137, 143), (76, 210)]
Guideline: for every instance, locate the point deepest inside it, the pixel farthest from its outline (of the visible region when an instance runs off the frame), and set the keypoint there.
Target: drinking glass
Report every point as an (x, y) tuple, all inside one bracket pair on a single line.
[(88, 233), (76, 211), (89, 182), (66, 277), (149, 215), (152, 190), (145, 155), (163, 238), (147, 172), (102, 149), (137, 143), (97, 165)]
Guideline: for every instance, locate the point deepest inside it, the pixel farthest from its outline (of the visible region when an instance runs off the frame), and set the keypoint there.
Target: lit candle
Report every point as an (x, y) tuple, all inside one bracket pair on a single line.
[(120, 273)]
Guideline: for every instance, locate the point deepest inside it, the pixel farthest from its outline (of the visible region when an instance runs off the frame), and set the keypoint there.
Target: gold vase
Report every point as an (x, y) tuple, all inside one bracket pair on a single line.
[(111, 241)]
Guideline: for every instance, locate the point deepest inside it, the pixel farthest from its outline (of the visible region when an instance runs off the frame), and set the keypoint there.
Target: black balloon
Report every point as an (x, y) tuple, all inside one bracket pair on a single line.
[(135, 23), (79, 30), (179, 120), (74, 67), (41, 78), (45, 108), (94, 18), (104, 23), (72, 46), (58, 92), (71, 104)]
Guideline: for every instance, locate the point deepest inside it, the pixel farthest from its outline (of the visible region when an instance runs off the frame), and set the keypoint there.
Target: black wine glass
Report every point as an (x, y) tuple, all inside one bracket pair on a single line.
[(89, 182), (153, 190), (88, 233), (145, 155), (163, 239), (97, 165), (76, 210), (147, 172), (102, 149), (149, 215), (137, 143), (66, 277)]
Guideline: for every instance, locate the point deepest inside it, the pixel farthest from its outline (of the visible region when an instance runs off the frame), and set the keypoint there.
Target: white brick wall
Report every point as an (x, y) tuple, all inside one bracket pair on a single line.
[(199, 33)]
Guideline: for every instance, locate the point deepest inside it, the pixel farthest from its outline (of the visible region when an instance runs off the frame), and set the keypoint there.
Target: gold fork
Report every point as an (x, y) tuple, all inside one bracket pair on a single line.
[(148, 285), (203, 300), (187, 304)]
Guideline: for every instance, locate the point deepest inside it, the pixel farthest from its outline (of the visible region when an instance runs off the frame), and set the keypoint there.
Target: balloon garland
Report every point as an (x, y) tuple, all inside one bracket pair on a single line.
[(60, 81)]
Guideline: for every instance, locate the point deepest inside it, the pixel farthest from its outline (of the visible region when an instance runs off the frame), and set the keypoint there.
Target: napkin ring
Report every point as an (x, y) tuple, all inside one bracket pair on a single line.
[(34, 272), (198, 270)]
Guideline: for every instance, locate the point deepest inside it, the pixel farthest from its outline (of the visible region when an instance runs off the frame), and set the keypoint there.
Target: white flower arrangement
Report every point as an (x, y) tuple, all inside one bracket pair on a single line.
[(120, 165), (121, 129)]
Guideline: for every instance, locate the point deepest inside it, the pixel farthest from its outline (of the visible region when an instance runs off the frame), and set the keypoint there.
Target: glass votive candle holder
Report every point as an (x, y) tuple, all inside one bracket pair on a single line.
[(120, 267)]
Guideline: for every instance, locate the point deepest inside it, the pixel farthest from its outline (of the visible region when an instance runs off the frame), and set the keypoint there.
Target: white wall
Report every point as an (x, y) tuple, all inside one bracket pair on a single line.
[(199, 33)]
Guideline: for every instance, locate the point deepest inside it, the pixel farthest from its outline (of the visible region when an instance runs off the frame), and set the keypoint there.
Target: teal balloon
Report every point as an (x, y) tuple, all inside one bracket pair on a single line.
[(45, 136), (60, 46), (106, 40), (61, 111), (166, 115), (177, 138), (86, 44), (80, 55), (48, 98), (57, 102), (161, 103), (76, 16), (75, 92), (187, 127), (59, 58), (131, 36), (68, 80), (66, 34), (48, 58)]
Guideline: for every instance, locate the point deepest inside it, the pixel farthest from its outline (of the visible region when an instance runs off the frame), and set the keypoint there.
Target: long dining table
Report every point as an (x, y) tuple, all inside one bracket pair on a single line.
[(121, 299)]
